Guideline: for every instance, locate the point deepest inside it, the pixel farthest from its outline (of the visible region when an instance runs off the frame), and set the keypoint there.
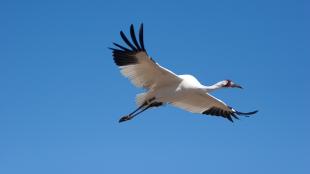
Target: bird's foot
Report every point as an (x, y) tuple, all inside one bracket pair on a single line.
[(125, 118)]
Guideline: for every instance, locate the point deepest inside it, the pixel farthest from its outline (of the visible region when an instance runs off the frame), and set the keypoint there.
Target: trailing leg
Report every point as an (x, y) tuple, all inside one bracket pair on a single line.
[(144, 107)]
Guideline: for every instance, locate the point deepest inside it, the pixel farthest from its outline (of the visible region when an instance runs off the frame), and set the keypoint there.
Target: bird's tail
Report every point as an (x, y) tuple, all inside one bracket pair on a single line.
[(140, 98)]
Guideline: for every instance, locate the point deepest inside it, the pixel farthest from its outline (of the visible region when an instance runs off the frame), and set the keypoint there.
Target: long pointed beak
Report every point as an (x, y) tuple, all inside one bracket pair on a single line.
[(236, 86)]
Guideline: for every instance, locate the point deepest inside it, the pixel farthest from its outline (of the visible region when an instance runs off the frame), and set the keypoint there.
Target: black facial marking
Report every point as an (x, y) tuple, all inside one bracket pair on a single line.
[(228, 84)]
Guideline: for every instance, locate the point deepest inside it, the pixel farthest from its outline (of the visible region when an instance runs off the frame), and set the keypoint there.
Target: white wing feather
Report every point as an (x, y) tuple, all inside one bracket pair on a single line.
[(135, 64), (198, 103), (147, 74)]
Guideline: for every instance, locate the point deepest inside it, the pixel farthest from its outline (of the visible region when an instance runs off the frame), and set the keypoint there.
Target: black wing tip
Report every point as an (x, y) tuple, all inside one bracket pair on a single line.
[(124, 62), (141, 26), (121, 53), (230, 119), (133, 38), (134, 45), (125, 39), (217, 112), (121, 47), (228, 115), (132, 25), (141, 40), (121, 33), (235, 116)]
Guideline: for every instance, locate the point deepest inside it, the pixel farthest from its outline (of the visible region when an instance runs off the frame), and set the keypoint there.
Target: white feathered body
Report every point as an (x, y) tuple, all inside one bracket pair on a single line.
[(171, 93)]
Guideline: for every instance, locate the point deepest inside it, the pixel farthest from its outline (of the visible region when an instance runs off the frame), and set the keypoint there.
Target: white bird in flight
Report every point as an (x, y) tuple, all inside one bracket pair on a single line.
[(165, 87)]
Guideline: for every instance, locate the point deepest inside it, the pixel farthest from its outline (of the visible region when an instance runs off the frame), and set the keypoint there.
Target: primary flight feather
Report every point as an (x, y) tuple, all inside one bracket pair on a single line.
[(165, 87)]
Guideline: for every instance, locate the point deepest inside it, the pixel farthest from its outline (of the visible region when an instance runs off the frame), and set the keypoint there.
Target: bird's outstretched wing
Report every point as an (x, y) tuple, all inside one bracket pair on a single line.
[(136, 65), (209, 105)]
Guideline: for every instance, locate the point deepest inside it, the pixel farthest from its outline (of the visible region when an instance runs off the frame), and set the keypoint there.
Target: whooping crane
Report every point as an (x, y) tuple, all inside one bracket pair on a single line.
[(165, 87)]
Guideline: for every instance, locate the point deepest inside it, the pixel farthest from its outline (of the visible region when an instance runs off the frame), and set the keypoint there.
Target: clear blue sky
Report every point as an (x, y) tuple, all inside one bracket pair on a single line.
[(61, 94)]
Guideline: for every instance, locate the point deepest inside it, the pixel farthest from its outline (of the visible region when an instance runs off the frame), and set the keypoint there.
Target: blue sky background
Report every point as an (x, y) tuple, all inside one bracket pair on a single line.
[(61, 94)]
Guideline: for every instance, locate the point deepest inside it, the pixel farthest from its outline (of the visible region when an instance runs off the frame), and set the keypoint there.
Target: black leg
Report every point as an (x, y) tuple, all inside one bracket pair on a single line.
[(140, 107), (144, 104), (132, 115), (128, 117)]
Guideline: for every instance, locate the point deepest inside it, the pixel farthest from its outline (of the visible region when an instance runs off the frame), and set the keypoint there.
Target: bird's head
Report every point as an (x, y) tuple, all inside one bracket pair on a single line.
[(229, 84)]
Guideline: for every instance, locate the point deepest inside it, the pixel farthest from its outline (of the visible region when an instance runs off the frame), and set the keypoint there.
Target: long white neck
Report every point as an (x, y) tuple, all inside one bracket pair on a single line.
[(214, 87)]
